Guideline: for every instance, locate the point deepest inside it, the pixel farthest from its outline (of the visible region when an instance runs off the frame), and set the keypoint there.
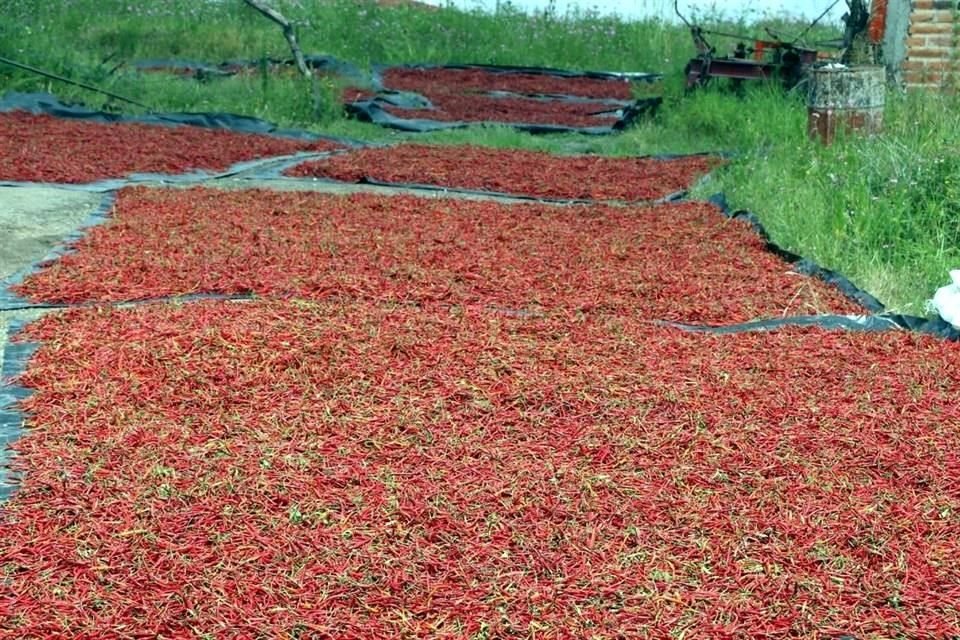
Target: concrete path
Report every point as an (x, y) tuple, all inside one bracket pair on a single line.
[(33, 220)]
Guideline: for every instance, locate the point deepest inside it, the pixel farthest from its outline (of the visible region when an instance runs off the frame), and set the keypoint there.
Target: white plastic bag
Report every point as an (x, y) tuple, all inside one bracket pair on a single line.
[(946, 301)]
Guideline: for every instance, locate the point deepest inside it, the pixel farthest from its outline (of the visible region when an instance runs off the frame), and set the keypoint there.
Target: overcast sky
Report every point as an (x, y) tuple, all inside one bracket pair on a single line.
[(809, 9)]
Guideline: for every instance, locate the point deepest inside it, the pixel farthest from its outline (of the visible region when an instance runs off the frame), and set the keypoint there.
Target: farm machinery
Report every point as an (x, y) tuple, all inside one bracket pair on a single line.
[(771, 58)]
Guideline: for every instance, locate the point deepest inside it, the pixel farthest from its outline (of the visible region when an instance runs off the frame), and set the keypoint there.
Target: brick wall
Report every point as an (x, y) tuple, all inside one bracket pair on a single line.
[(933, 45)]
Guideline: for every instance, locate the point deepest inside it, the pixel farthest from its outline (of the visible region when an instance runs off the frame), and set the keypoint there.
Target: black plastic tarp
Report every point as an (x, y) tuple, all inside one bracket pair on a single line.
[(877, 322), (9, 301), (262, 169), (373, 111), (16, 355), (626, 111), (15, 358), (41, 103), (371, 180)]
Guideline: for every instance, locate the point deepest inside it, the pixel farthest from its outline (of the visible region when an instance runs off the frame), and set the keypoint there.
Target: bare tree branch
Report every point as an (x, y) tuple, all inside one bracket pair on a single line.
[(288, 33)]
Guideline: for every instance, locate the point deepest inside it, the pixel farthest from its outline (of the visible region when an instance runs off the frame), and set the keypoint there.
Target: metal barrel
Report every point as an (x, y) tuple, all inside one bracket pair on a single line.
[(848, 98)]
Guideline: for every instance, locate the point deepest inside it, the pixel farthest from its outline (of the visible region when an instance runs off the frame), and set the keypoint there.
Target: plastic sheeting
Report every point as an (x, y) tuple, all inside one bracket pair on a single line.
[(263, 169), (670, 197), (46, 104), (9, 301), (372, 111), (15, 358), (16, 355)]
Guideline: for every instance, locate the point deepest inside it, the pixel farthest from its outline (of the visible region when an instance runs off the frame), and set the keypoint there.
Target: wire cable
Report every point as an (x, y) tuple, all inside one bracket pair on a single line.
[(90, 87)]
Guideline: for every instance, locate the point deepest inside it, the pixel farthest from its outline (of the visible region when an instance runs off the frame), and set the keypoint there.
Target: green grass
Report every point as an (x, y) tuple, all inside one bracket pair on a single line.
[(884, 211)]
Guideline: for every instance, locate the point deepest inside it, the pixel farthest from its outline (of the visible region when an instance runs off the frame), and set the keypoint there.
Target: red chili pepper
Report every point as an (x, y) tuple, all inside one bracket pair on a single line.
[(40, 148), (520, 172), (452, 107), (361, 470), (683, 262), (437, 81)]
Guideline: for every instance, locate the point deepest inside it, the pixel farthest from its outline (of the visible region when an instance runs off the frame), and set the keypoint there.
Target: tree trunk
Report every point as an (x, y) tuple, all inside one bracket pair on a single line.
[(288, 33)]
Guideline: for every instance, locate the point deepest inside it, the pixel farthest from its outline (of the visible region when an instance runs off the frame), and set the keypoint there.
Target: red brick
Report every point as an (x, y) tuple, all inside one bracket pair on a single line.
[(932, 42), (932, 16), (943, 5), (925, 66), (940, 41), (943, 81), (922, 28), (932, 53), (916, 78)]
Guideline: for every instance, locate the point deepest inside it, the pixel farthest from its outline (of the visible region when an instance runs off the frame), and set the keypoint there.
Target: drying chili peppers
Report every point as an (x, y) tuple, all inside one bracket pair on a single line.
[(510, 171), (454, 418), (472, 108), (517, 98), (349, 470), (434, 81), (684, 262), (41, 148)]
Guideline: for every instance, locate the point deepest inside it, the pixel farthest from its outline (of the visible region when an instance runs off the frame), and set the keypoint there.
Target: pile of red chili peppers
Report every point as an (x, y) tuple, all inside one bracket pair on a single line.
[(444, 418), (684, 262), (41, 148), (517, 172), (284, 469), (482, 95), (434, 81), (470, 108)]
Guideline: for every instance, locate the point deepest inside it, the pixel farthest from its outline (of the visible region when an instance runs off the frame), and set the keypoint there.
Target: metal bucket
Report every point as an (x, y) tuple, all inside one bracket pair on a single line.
[(848, 98)]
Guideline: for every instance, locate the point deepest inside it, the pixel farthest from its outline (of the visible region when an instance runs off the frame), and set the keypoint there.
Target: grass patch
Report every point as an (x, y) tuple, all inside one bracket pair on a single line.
[(882, 211)]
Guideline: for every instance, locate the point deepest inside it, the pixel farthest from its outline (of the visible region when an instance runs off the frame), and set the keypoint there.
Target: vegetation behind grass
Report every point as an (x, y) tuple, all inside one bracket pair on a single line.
[(883, 211)]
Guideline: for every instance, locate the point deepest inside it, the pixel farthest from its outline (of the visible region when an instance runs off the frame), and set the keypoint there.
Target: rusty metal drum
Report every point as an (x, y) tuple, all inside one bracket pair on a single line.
[(850, 99)]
